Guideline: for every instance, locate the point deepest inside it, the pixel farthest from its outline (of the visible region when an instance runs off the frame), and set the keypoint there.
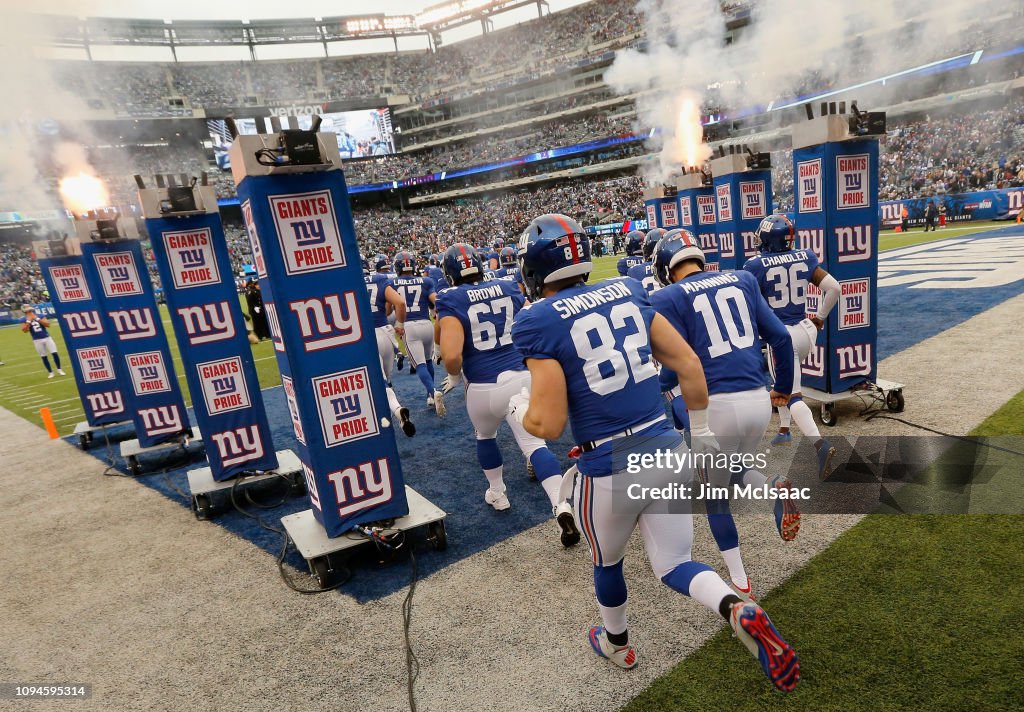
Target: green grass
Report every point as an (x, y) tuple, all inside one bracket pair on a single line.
[(901, 612), (890, 239), (24, 387)]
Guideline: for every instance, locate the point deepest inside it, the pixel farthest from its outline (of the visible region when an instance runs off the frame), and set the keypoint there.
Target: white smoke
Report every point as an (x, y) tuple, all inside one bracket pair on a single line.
[(788, 43), (35, 100)]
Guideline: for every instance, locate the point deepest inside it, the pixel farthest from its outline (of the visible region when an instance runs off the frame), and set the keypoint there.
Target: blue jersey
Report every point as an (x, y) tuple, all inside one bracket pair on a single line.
[(36, 328), (782, 278), (510, 274), (486, 311), (723, 318), (644, 274), (436, 274), (626, 263), (600, 334), (416, 292), (376, 283)]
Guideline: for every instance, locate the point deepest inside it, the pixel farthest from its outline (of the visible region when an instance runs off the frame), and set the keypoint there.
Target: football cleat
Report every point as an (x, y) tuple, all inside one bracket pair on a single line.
[(622, 655), (570, 534), (825, 454), (61, 371), (782, 439), (401, 361), (747, 594), (787, 516), (430, 401), (52, 374), (754, 629), (439, 404), (407, 427), (498, 500)]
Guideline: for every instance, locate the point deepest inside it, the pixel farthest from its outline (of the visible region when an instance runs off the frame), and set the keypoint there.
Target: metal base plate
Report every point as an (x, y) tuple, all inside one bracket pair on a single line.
[(131, 448), (200, 481), (870, 388), (83, 428), (312, 541)]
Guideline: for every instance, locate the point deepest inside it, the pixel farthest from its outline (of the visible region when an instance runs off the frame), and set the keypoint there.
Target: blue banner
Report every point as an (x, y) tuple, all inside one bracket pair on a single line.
[(125, 296), (979, 205), (697, 214), (195, 269), (662, 212), (836, 194), (742, 200), (92, 350), (307, 259)]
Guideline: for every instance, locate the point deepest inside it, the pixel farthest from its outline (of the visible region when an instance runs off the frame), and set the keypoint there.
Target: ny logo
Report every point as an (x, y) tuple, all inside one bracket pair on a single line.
[(346, 406), (192, 258), (810, 185), (726, 246), (223, 386), (327, 322), (853, 181), (362, 486), (854, 360), (82, 324), (311, 490), (161, 420), (108, 403), (855, 303), (239, 445), (854, 243), (119, 274), (133, 323), (814, 240), (149, 373), (750, 243), (275, 326), (707, 242), (207, 323), (309, 232), (95, 364), (814, 364), (69, 282)]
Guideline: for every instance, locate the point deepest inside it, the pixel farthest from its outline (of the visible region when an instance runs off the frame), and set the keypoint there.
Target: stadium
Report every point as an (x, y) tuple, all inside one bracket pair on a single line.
[(582, 234)]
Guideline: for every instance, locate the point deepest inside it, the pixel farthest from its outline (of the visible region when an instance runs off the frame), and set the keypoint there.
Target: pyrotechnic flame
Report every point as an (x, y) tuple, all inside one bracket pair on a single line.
[(687, 142), (83, 192)]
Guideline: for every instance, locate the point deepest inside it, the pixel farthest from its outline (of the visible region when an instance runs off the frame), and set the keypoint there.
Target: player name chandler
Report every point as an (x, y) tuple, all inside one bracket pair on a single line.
[(703, 491)]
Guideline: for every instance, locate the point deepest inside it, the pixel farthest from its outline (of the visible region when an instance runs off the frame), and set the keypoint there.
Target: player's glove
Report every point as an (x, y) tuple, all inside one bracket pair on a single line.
[(449, 382), (435, 355), (703, 444), (518, 405)]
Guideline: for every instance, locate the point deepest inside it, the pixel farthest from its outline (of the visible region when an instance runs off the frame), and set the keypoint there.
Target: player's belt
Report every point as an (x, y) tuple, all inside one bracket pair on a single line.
[(594, 444)]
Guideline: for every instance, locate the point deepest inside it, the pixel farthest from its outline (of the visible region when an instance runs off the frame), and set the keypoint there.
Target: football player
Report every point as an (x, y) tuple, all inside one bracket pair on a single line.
[(782, 275), (41, 339), (509, 268), (644, 272), (381, 296), (723, 318), (475, 325), (634, 252), (434, 271), (590, 352), (418, 294), (493, 261)]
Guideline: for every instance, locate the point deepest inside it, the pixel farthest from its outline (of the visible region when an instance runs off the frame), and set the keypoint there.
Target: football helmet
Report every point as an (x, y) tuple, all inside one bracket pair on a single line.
[(635, 243), (776, 234), (405, 263), (461, 263), (653, 235), (507, 256), (675, 247), (553, 247)]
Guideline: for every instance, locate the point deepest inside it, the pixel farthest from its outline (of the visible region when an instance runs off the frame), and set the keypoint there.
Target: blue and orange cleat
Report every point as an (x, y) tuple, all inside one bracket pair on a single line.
[(825, 454), (787, 516), (782, 438), (755, 630)]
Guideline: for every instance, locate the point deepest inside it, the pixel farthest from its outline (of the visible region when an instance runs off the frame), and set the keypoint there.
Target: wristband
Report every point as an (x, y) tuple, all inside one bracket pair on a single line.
[(699, 421), (399, 324)]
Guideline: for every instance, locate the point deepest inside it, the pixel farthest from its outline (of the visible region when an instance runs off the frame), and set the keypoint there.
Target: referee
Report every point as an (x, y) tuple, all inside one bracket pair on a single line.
[(44, 343)]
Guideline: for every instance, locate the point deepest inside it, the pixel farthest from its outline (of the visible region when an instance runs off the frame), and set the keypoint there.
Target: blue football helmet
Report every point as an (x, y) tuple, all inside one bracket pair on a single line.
[(498, 244), (507, 256), (461, 263), (434, 260), (776, 234), (553, 247), (366, 263), (635, 243), (380, 263), (676, 246), (653, 235), (405, 263)]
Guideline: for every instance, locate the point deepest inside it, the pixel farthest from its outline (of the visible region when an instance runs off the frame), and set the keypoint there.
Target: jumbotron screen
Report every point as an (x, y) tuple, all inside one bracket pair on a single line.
[(362, 133)]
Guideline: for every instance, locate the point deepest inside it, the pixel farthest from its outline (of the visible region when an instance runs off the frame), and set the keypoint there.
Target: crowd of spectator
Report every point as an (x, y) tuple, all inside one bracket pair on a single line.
[(20, 279)]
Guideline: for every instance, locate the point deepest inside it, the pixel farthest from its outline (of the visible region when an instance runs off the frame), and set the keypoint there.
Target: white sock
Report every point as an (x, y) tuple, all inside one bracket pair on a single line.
[(709, 589), (804, 420), (736, 571), (784, 417), (494, 479), (551, 486), (614, 618), (754, 477), (393, 403)]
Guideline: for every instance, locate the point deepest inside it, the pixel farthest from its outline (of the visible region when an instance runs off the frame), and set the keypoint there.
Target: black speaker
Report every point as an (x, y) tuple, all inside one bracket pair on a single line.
[(105, 230), (300, 147), (180, 199)]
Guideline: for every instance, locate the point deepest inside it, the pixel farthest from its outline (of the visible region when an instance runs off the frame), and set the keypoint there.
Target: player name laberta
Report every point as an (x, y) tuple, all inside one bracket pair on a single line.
[(702, 491)]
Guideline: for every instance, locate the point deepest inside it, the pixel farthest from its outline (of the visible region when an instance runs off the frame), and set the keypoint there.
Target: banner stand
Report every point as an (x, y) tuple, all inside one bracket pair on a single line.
[(295, 205), (835, 177)]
